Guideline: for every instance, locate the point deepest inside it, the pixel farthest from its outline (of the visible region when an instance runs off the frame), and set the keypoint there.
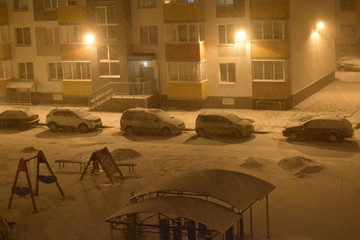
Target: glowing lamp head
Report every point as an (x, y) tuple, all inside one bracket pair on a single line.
[(320, 25), (241, 35), (89, 38)]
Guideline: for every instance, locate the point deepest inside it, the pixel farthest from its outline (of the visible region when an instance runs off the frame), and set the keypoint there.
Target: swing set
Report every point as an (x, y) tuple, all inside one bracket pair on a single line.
[(23, 167)]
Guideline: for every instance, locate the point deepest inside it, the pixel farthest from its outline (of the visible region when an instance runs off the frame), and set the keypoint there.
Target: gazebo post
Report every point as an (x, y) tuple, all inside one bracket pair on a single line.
[(267, 217), (251, 223)]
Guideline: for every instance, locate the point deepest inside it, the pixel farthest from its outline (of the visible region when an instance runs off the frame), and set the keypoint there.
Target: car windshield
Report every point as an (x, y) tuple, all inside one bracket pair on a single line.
[(162, 115), (233, 118), (80, 112)]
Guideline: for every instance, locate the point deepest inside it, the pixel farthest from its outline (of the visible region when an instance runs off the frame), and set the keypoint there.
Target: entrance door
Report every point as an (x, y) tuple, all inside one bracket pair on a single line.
[(147, 75)]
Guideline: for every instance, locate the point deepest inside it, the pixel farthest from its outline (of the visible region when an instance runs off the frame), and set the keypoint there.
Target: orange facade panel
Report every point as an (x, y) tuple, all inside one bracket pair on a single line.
[(4, 19), (5, 51), (271, 90), (269, 9), (77, 88), (185, 52), (187, 90), (270, 49), (74, 52), (3, 84), (72, 15), (191, 12)]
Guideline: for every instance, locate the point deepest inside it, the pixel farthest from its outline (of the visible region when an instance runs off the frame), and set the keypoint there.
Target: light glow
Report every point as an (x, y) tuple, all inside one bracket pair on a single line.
[(89, 38), (320, 25), (241, 35)]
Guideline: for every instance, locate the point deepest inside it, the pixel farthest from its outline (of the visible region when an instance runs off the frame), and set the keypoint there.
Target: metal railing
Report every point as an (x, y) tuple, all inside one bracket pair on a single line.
[(120, 90)]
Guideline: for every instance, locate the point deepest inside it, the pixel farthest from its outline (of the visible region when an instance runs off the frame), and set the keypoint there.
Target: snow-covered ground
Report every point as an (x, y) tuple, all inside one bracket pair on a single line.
[(306, 204)]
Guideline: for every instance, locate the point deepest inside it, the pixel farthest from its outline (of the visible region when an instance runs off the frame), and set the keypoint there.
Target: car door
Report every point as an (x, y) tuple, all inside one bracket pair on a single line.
[(311, 129), (152, 122), (139, 121)]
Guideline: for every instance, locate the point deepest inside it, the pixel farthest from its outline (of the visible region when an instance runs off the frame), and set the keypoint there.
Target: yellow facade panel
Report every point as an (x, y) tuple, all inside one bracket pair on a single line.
[(271, 90), (270, 49), (77, 88), (184, 12), (74, 52), (269, 9), (4, 19), (5, 51), (72, 15), (3, 84), (185, 51), (187, 90)]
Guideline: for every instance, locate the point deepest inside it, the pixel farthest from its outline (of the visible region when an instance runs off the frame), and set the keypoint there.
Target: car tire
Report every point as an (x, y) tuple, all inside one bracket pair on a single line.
[(293, 136), (333, 138), (201, 132), (53, 126), (165, 132), (129, 130), (83, 128)]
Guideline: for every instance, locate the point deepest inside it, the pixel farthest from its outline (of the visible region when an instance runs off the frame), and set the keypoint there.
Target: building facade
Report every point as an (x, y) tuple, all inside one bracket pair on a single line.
[(260, 54)]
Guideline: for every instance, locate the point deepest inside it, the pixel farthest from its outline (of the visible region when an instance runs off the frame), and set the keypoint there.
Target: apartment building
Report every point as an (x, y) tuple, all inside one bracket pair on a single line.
[(348, 28), (260, 54)]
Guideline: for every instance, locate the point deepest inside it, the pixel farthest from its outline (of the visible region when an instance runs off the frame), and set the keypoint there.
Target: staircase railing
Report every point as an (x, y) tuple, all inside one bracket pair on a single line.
[(119, 89)]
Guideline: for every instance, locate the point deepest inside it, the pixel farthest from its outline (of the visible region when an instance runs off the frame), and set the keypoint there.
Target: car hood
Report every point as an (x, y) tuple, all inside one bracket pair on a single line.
[(244, 122), (292, 127), (174, 121), (91, 117)]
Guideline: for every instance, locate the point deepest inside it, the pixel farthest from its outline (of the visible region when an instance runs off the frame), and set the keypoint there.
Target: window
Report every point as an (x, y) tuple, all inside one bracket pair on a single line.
[(148, 35), (55, 71), (106, 23), (109, 60), (21, 5), (182, 1), (50, 4), (72, 34), (348, 5), (226, 34), (5, 69), (68, 3), (228, 2), (348, 31), (147, 3), (269, 30), (23, 36), (76, 70), (26, 70), (187, 71), (184, 32), (52, 35), (268, 70), (227, 72)]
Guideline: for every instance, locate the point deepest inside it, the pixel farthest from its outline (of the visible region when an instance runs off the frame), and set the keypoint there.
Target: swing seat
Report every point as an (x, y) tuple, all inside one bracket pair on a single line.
[(21, 191), (47, 179)]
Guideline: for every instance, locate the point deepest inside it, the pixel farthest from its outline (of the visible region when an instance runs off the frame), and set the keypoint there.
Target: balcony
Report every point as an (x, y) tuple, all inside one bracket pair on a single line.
[(72, 15), (185, 51), (74, 52), (270, 49), (189, 12), (187, 90)]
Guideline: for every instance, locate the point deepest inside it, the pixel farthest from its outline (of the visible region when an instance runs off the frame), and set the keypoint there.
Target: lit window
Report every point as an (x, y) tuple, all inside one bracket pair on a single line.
[(26, 70), (268, 70), (23, 36), (226, 34), (21, 5), (269, 30), (227, 72), (187, 71), (149, 35)]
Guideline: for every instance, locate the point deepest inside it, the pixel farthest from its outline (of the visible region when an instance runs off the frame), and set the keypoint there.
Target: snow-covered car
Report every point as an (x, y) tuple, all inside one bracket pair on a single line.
[(18, 118), (332, 129), (72, 117), (137, 120), (223, 123), (349, 64)]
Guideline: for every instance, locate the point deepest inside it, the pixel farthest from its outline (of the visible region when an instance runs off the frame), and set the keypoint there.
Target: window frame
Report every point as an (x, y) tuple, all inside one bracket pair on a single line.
[(72, 68), (180, 73), (28, 70), (172, 34), (147, 4), (23, 36), (148, 38), (229, 38), (284, 30), (20, 5), (347, 5), (228, 77), (54, 32), (52, 6), (58, 71), (274, 70)]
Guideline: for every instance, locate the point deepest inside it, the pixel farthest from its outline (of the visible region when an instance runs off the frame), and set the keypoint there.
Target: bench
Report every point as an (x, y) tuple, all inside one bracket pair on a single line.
[(62, 163), (131, 166)]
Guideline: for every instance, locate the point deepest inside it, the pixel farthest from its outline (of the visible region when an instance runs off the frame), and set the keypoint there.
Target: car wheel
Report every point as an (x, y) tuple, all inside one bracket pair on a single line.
[(130, 130), (53, 126), (333, 137), (201, 132), (165, 132), (293, 136), (238, 134), (83, 128)]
